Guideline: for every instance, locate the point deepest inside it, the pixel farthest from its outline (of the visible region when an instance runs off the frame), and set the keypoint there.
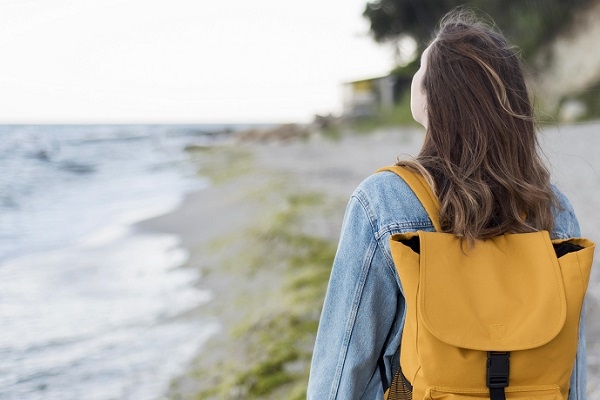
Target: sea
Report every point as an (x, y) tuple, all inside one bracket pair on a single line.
[(90, 307)]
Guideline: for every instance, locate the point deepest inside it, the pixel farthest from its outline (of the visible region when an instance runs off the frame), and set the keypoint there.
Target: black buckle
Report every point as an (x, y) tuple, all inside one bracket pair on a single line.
[(497, 369)]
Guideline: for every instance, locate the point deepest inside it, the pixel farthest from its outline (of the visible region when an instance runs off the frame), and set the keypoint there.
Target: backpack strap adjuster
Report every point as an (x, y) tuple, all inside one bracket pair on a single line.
[(497, 373)]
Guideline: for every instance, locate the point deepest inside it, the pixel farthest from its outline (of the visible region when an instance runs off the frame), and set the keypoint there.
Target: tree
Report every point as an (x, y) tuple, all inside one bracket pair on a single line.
[(528, 23)]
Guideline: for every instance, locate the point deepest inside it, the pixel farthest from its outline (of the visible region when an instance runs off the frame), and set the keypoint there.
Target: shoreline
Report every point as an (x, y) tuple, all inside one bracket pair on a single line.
[(253, 215)]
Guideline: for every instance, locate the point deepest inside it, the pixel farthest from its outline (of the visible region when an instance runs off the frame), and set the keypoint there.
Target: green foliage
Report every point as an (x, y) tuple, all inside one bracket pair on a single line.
[(279, 345), (408, 70), (528, 24), (590, 98)]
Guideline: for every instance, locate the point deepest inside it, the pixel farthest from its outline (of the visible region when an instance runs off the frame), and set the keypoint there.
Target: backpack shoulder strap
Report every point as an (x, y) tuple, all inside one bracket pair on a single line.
[(422, 190)]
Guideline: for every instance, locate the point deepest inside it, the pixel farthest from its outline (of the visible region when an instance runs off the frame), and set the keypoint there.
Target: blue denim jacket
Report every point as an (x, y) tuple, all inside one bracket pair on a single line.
[(364, 308)]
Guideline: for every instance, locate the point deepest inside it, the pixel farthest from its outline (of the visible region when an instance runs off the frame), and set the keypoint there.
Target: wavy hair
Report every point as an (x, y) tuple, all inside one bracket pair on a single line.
[(481, 152)]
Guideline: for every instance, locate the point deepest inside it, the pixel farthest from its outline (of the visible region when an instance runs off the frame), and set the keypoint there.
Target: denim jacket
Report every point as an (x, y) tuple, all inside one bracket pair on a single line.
[(364, 310)]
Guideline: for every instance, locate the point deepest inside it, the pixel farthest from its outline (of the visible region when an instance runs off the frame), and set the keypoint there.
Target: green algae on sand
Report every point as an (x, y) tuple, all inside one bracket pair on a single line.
[(278, 267)]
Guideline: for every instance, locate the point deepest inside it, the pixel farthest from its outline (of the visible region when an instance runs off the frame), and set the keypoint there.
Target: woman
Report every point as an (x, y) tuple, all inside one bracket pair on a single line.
[(480, 154)]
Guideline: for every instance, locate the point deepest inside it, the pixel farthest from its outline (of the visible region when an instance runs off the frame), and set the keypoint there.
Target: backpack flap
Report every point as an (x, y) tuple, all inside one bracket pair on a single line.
[(504, 294)]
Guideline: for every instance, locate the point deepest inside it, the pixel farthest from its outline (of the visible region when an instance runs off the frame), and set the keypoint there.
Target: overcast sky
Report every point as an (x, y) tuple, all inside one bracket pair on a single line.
[(189, 61)]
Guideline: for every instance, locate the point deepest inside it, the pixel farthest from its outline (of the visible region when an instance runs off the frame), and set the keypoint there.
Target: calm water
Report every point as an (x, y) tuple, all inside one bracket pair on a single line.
[(89, 308)]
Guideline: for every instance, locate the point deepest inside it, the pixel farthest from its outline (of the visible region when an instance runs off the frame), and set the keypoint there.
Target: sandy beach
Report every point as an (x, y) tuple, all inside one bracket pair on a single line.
[(264, 233)]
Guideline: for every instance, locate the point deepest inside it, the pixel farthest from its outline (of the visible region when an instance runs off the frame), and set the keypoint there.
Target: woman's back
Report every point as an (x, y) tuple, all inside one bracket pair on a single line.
[(480, 154)]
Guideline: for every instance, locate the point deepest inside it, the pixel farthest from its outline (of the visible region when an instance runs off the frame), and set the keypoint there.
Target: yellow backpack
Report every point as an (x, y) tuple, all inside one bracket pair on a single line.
[(499, 320)]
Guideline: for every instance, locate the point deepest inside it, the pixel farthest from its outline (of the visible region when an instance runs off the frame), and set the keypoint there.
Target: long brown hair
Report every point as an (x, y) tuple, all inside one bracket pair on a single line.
[(481, 149)]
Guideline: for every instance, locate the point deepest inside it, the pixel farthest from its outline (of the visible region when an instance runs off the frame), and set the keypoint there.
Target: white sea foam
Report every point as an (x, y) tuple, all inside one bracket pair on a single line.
[(89, 307)]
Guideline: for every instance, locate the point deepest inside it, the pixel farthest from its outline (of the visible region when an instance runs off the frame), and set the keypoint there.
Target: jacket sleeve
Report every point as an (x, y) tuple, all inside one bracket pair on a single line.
[(359, 310)]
